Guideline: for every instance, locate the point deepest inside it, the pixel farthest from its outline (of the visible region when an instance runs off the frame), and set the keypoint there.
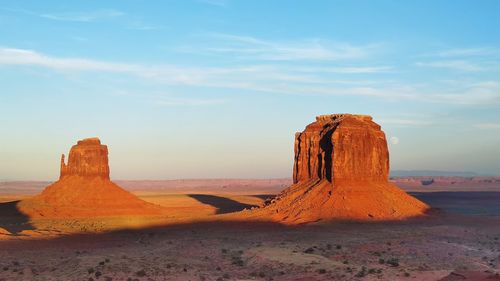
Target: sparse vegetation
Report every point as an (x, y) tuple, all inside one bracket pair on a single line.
[(362, 272), (141, 273), (393, 262), (309, 250)]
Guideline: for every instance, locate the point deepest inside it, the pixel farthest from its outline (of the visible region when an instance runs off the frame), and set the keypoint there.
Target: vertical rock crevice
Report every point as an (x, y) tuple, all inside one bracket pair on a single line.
[(341, 171)]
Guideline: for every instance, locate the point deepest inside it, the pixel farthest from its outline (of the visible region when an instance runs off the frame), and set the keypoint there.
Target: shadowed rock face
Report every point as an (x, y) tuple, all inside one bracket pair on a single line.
[(88, 158), (341, 171), (85, 190), (341, 147)]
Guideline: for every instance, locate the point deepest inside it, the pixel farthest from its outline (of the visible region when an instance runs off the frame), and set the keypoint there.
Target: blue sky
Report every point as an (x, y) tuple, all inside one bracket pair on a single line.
[(217, 88)]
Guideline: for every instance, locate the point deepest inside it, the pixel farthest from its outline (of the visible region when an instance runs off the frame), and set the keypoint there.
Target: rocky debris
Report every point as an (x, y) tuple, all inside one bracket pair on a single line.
[(85, 190), (341, 171)]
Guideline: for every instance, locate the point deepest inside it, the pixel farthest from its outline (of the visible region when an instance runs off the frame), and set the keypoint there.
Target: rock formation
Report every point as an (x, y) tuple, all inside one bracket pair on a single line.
[(88, 158), (341, 171), (84, 188)]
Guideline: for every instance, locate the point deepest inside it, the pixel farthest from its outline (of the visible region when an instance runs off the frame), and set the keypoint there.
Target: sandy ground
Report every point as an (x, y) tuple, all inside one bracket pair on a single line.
[(199, 241)]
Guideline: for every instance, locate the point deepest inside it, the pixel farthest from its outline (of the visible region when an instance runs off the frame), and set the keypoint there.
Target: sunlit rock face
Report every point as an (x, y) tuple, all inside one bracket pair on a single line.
[(84, 189), (341, 147), (88, 158), (341, 171)]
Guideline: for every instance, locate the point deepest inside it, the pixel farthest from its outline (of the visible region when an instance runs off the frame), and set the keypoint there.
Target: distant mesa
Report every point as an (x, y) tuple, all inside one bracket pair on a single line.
[(341, 171), (84, 189)]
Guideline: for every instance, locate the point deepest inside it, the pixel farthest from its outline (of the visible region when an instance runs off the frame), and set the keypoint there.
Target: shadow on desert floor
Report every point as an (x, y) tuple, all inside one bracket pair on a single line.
[(264, 196), (12, 219), (469, 203), (222, 204)]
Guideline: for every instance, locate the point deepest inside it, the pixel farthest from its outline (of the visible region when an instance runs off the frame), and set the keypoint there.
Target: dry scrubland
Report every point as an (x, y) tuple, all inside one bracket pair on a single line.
[(199, 241)]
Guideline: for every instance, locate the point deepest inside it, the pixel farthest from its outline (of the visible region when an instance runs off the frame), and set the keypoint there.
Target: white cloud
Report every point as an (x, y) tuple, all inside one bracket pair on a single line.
[(487, 126), (189, 102), (83, 17), (401, 122), (460, 65), (247, 47), (278, 79), (460, 52)]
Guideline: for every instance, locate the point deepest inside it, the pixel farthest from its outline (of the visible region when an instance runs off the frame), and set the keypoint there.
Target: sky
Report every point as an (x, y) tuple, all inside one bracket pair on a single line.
[(218, 88)]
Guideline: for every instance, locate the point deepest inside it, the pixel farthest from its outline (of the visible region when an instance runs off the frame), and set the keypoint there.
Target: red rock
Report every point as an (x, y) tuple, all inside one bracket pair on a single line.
[(88, 158), (85, 190), (341, 171)]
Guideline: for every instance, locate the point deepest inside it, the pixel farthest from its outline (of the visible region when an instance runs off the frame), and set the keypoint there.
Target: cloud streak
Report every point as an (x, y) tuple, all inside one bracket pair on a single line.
[(276, 79), (83, 17), (247, 47)]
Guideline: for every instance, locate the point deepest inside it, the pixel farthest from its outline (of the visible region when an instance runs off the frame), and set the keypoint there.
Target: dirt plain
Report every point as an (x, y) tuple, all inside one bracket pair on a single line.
[(202, 239)]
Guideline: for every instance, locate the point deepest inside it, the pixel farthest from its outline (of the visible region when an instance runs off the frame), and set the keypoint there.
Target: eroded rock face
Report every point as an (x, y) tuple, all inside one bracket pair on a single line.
[(341, 171), (341, 147), (88, 158), (85, 190)]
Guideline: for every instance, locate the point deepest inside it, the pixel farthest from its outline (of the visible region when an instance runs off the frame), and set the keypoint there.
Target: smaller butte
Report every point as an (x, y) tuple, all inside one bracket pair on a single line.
[(341, 172), (84, 189)]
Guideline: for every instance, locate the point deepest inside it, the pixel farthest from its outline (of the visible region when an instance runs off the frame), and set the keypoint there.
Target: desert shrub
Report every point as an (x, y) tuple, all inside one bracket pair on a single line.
[(237, 261), (362, 272), (141, 273), (309, 250), (393, 262)]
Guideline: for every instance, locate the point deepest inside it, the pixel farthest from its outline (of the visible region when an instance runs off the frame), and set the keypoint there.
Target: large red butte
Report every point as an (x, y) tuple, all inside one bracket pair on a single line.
[(85, 190), (341, 171)]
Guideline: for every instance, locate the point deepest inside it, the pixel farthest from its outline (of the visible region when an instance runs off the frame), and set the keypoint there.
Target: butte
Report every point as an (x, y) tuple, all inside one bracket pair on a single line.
[(341, 172), (84, 189)]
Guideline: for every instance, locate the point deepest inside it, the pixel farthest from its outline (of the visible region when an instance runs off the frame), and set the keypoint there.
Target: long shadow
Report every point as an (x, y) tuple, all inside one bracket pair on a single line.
[(12, 220), (264, 196), (223, 205), (475, 203)]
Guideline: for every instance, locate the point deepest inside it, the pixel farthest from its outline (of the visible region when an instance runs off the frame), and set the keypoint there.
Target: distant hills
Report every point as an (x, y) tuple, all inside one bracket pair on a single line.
[(432, 173)]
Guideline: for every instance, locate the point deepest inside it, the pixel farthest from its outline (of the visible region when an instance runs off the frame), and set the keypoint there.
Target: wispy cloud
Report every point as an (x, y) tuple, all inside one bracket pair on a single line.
[(83, 16), (487, 126), (128, 21), (466, 52), (275, 79), (189, 102), (478, 59), (247, 47), (219, 3), (459, 65), (402, 122)]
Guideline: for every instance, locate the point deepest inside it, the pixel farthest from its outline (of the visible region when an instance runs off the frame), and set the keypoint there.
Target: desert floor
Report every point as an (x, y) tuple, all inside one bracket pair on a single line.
[(200, 240)]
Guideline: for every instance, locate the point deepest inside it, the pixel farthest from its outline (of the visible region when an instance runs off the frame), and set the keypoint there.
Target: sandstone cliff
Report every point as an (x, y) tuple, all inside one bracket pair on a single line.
[(341, 171), (88, 158), (85, 190)]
